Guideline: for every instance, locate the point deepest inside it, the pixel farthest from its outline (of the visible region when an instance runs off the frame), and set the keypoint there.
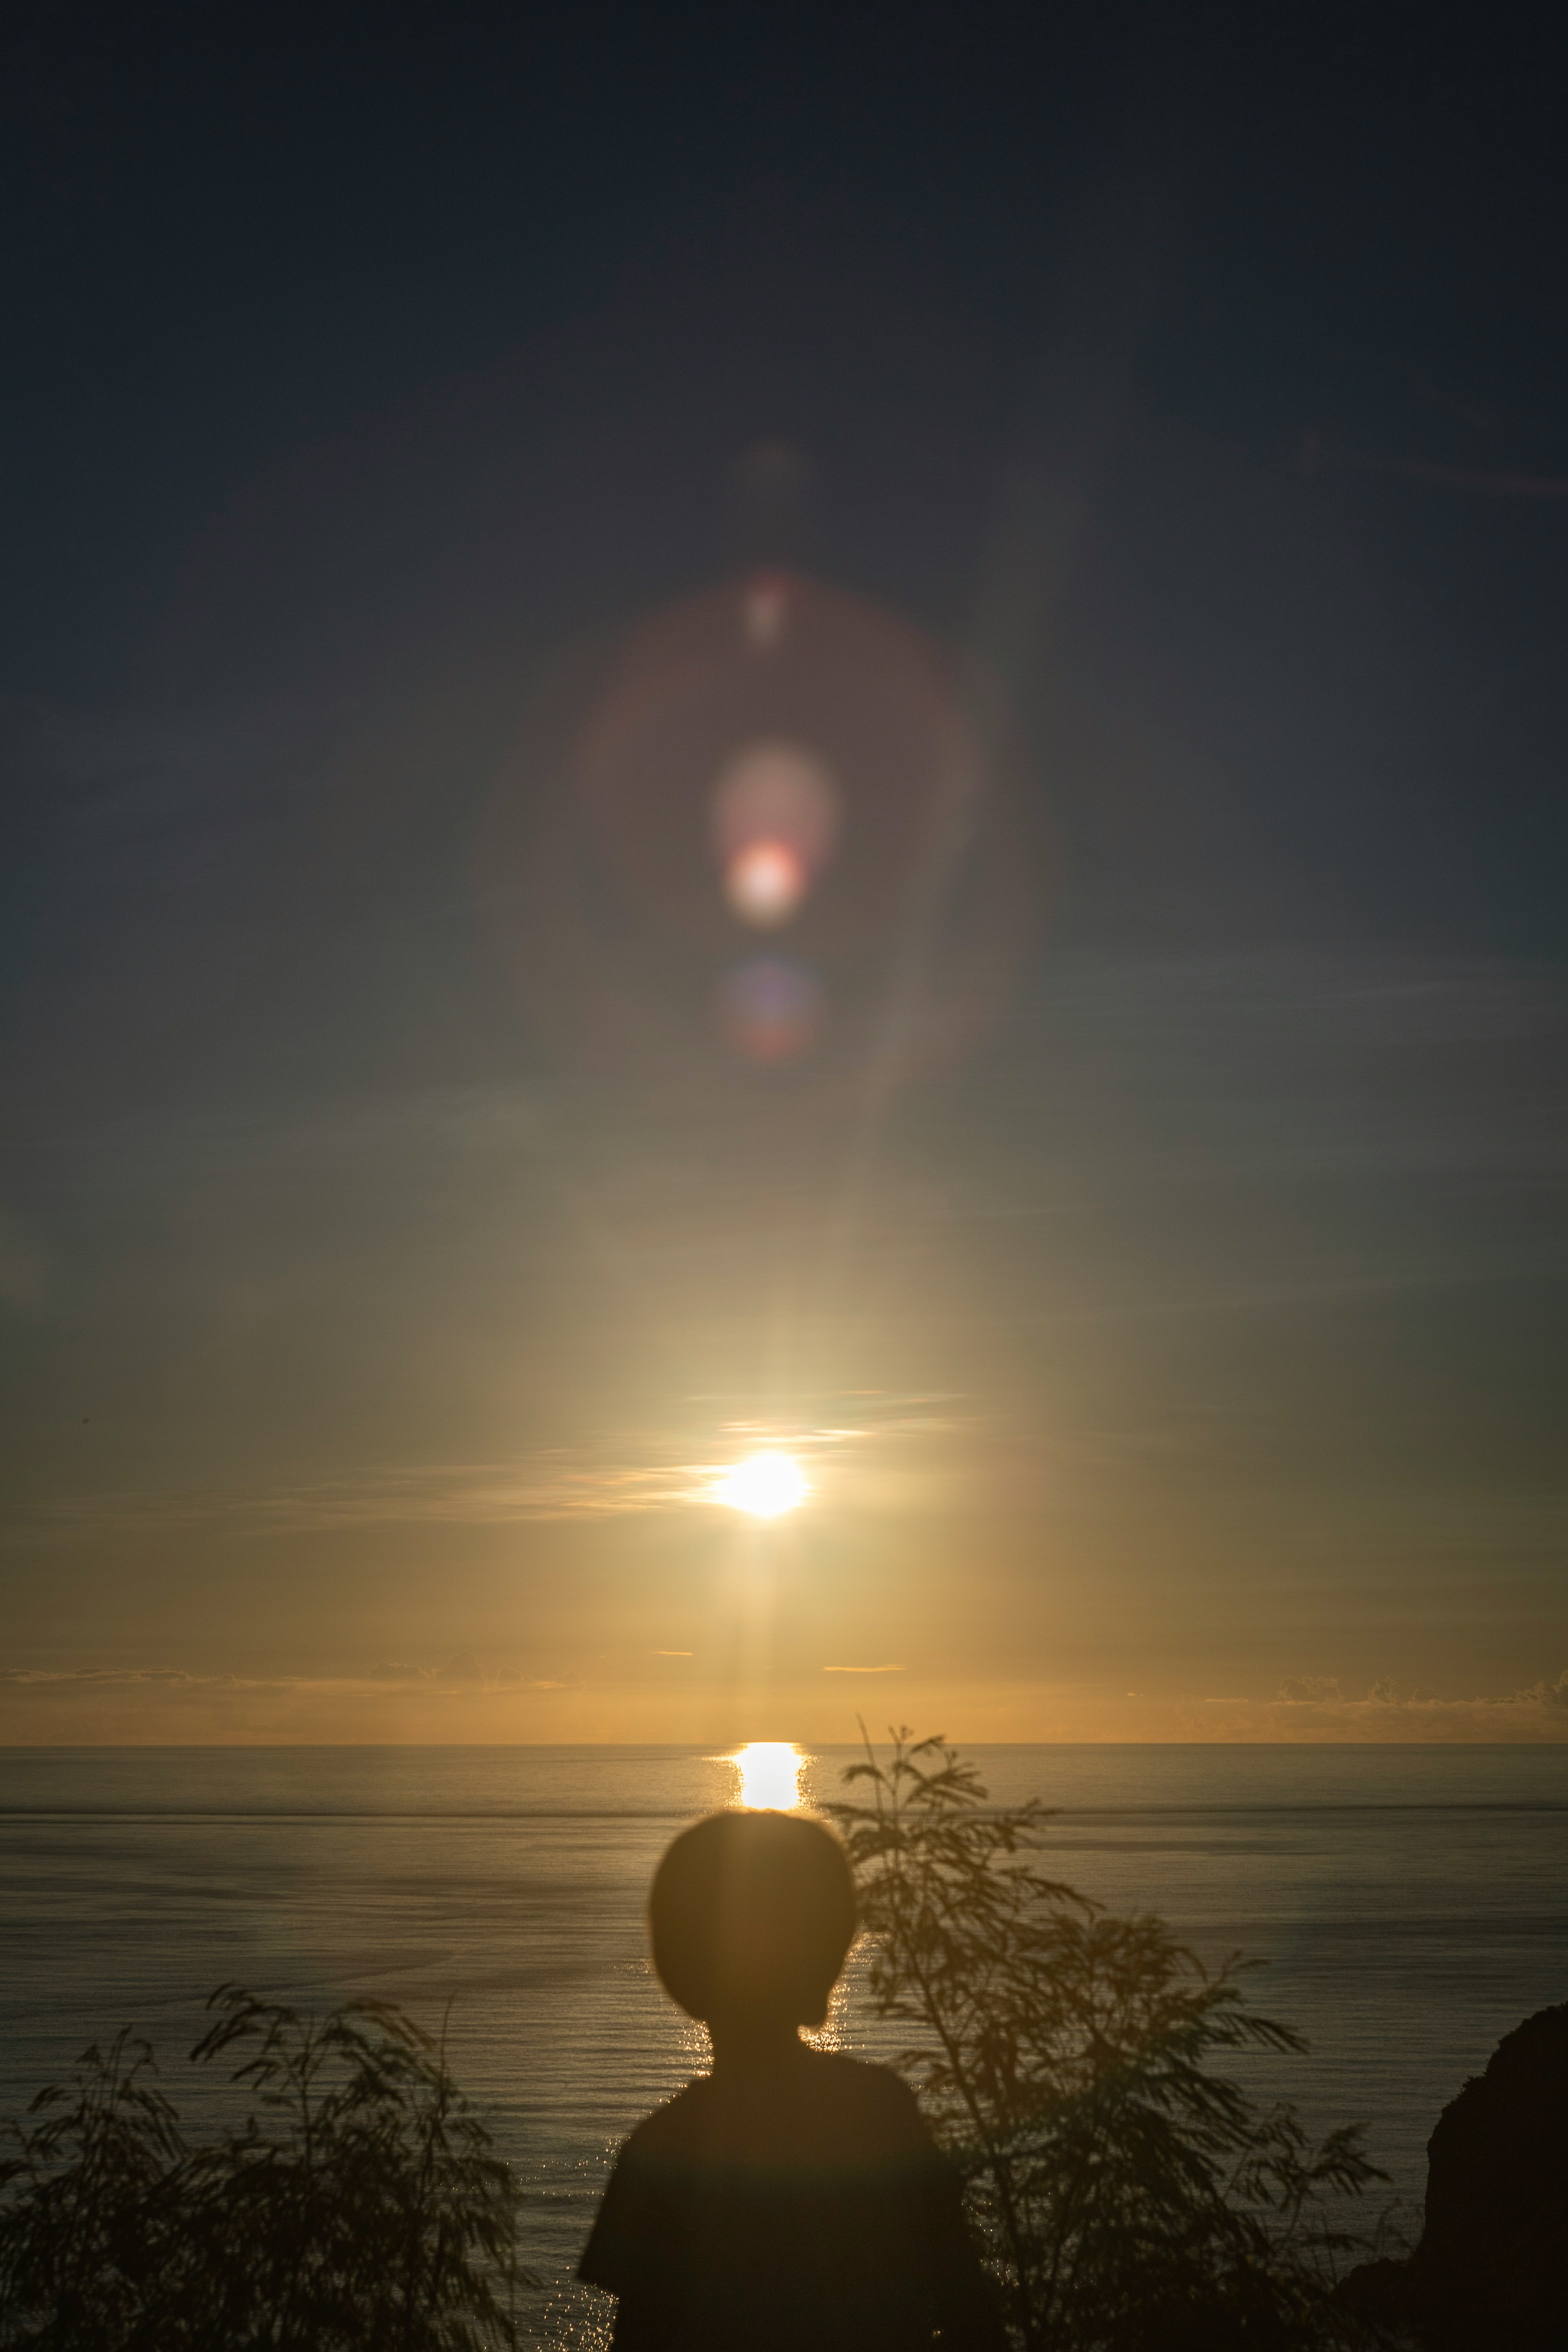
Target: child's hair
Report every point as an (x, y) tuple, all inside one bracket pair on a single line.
[(752, 1914)]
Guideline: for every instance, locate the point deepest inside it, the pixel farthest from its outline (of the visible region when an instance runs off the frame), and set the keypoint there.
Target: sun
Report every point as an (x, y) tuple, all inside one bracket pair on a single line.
[(765, 1486)]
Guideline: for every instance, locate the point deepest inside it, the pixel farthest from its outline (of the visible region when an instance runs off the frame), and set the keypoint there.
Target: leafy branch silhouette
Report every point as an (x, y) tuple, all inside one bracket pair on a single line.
[(361, 2206), (1128, 2196)]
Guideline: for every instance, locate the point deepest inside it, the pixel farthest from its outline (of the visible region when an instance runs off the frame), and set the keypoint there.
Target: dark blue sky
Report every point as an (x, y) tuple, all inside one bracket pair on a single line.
[(1155, 257)]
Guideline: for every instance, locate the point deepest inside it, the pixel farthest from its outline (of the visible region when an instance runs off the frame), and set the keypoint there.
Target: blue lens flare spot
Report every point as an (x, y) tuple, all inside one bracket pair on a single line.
[(770, 1011)]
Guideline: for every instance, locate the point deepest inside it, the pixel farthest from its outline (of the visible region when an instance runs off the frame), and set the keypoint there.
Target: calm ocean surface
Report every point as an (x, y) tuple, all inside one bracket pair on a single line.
[(1410, 1904)]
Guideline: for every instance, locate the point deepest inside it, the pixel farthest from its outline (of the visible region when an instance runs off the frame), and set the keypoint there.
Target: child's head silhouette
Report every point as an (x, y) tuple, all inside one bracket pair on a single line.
[(751, 1915)]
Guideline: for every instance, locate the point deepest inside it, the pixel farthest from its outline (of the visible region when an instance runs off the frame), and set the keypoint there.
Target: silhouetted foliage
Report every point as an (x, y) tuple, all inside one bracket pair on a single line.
[(1129, 2197), (360, 2207)]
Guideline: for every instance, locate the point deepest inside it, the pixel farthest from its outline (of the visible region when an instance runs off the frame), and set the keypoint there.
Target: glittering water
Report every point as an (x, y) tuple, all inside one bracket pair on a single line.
[(1410, 1904)]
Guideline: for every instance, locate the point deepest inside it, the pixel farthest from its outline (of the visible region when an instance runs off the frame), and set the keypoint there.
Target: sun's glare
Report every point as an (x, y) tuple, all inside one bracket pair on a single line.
[(770, 1774), (764, 1484)]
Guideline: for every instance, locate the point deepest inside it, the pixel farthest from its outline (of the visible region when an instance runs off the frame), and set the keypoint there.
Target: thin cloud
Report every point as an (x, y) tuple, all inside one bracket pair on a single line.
[(459, 1676), (1479, 481), (865, 1670), (102, 1677), (625, 1474), (480, 1494), (1316, 1690), (1314, 1706), (463, 1673)]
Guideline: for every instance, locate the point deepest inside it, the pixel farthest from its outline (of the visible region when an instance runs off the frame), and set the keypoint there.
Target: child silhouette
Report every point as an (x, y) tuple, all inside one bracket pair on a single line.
[(790, 2200)]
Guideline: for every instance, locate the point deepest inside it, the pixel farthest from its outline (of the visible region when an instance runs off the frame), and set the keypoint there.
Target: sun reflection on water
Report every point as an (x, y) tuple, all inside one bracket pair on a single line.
[(769, 1772), (834, 2032)]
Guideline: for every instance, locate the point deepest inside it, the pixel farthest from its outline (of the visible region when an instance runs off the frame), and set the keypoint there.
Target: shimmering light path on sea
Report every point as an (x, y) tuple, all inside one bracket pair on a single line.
[(1411, 1904)]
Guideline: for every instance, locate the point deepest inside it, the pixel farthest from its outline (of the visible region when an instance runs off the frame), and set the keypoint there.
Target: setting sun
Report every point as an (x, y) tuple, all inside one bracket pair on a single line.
[(764, 1484)]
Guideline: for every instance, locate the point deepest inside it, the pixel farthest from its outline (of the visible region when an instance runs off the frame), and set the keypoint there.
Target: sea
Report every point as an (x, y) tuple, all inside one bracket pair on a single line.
[(1407, 1905)]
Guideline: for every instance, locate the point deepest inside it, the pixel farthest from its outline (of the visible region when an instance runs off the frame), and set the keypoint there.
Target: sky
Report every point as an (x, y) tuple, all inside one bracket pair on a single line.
[(1148, 1242)]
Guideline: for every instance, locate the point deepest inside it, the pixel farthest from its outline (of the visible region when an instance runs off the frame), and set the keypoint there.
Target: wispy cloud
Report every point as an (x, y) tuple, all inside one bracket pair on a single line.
[(864, 1670), (465, 1672), (623, 1474), (102, 1677), (549, 1485), (1314, 1706), (1474, 480), (456, 1677)]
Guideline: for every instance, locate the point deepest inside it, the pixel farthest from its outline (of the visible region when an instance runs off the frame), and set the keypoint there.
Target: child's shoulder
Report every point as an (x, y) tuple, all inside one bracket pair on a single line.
[(859, 2085), (869, 2109), (856, 2102)]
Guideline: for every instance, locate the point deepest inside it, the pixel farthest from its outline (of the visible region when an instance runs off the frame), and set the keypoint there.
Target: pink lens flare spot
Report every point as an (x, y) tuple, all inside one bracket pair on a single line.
[(775, 795), (764, 883), (770, 1011)]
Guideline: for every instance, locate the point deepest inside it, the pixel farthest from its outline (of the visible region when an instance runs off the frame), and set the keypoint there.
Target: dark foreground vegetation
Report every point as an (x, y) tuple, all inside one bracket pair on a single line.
[(1128, 2195), (360, 2210)]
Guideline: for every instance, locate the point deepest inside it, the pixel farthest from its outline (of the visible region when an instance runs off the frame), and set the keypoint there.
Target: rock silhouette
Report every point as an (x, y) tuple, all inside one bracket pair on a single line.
[(1491, 2269)]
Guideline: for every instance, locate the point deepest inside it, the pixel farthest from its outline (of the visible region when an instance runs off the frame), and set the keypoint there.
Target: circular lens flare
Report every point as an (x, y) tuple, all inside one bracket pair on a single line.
[(765, 1486), (764, 883)]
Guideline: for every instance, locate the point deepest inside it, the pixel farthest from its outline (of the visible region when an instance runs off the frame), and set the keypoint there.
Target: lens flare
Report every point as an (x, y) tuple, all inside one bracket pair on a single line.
[(765, 1486), (766, 609), (770, 1774), (764, 883), (772, 764), (770, 1011), (776, 825)]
